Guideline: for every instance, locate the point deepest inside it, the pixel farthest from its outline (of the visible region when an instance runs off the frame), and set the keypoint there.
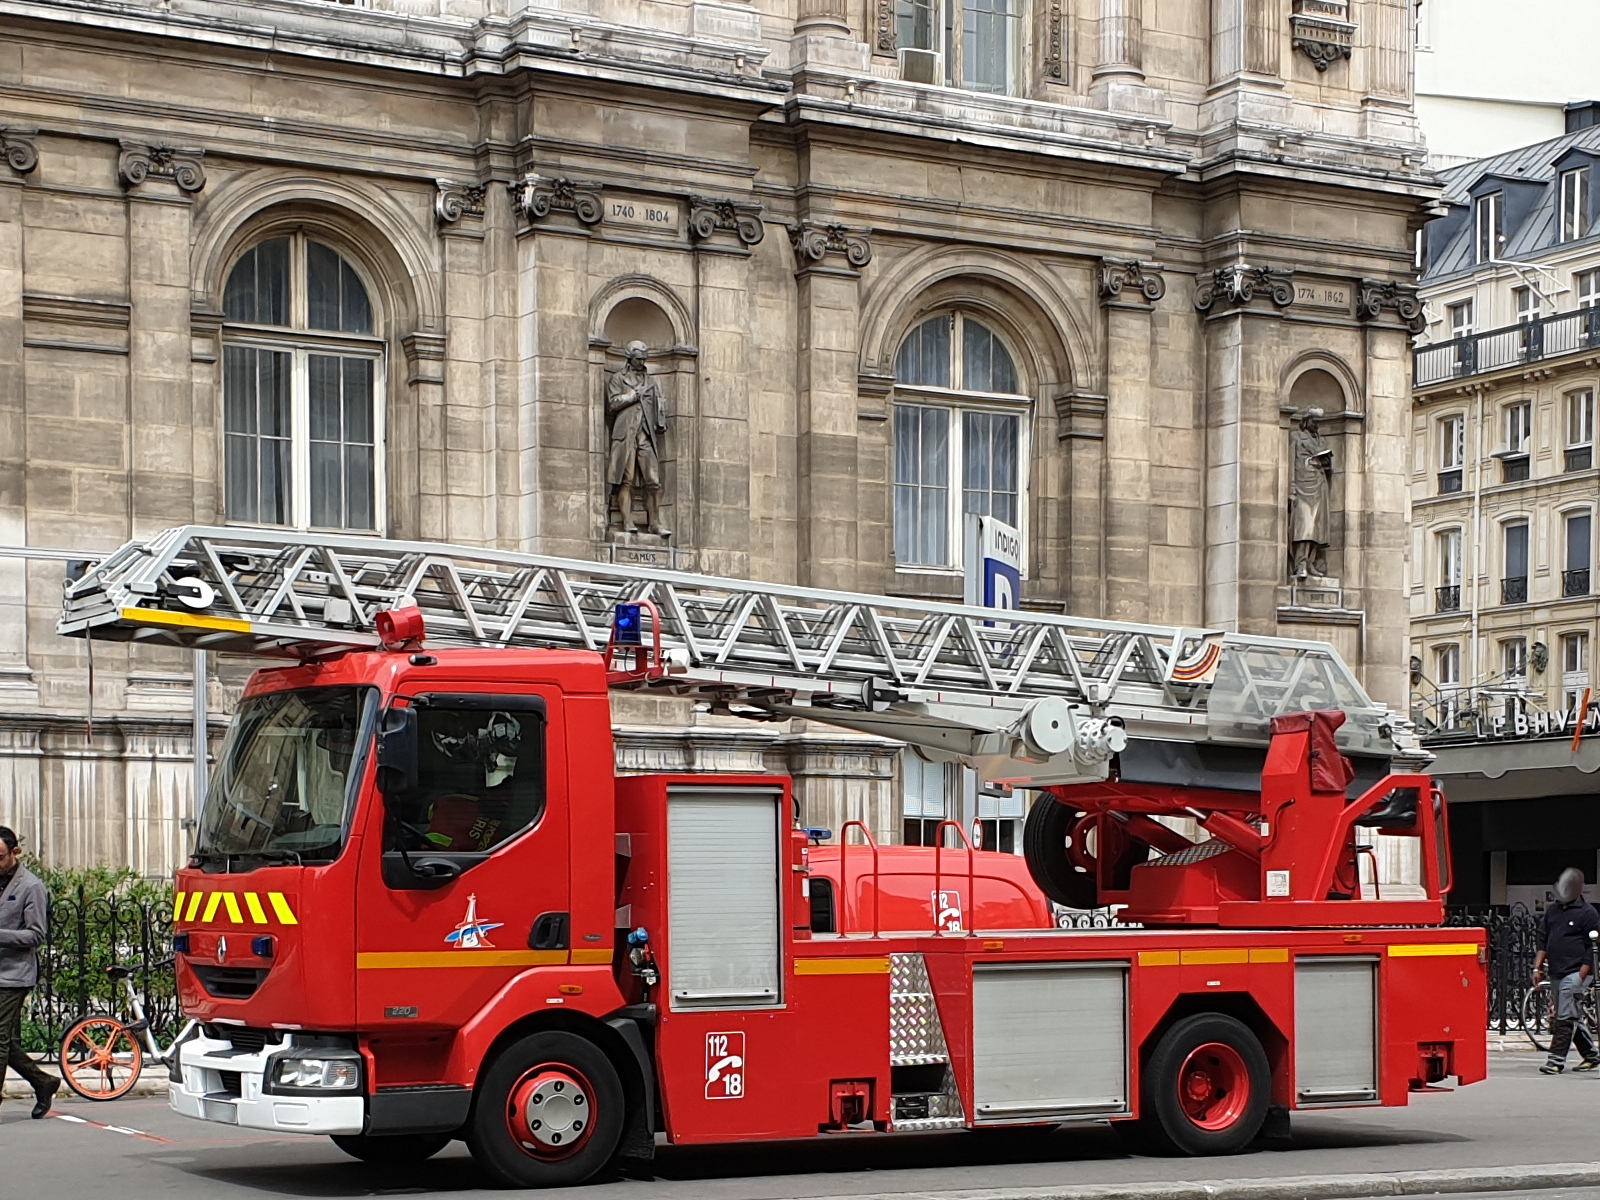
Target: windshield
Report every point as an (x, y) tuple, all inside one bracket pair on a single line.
[(283, 783)]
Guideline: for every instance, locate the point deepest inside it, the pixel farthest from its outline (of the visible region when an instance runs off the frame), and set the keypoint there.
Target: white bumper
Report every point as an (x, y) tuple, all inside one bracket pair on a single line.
[(208, 1092)]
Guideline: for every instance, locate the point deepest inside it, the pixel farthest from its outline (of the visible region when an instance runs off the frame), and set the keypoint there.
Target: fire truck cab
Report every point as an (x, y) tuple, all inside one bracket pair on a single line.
[(423, 907)]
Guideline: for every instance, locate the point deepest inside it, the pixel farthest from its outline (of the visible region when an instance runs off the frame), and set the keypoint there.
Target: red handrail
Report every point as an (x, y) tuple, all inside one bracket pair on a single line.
[(938, 874), (844, 875)]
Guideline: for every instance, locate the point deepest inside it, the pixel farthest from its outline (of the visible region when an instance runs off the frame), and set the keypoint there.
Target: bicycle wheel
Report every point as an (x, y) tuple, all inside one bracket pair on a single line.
[(100, 1059), (1538, 1011)]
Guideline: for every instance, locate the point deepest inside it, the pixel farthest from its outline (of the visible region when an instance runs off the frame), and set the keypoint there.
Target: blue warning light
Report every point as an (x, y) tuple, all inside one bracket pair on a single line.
[(628, 625)]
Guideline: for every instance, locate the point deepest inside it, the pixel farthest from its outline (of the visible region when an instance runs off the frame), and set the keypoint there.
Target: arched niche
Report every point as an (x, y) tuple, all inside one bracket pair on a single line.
[(1319, 381)]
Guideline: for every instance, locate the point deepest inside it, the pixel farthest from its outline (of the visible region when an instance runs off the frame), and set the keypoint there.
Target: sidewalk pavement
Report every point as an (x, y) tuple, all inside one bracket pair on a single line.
[(152, 1082), (1298, 1187)]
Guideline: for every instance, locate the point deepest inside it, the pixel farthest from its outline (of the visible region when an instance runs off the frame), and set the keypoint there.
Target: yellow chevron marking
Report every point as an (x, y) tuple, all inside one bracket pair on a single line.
[(280, 906), (194, 905), (177, 905), (213, 902), (232, 903), (257, 913), (1434, 950)]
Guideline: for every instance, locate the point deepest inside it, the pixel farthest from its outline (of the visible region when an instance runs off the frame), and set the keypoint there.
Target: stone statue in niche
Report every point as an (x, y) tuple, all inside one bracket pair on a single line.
[(638, 420), (1310, 496)]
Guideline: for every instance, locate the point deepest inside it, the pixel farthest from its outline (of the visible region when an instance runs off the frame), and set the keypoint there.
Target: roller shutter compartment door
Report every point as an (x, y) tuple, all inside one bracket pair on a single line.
[(722, 892), (1335, 1030), (1049, 1040)]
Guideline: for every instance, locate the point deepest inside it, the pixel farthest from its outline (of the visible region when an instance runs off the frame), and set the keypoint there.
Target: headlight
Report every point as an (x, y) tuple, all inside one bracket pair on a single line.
[(317, 1074)]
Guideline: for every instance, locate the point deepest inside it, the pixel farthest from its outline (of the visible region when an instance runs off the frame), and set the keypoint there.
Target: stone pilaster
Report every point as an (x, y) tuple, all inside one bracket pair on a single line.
[(1128, 290), (1382, 513), (840, 778), (469, 501), (18, 160), (1121, 30), (161, 183), (1245, 39), (828, 262)]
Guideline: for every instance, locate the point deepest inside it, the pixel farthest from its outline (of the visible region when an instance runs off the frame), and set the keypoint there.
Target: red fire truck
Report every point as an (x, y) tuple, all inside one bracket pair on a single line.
[(423, 906)]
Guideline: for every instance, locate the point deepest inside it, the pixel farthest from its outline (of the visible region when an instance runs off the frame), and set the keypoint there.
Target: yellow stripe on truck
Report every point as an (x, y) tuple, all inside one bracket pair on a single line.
[(177, 906), (194, 905), (1434, 950), (207, 907), (280, 906), (253, 903), (431, 959), (841, 966), (151, 616)]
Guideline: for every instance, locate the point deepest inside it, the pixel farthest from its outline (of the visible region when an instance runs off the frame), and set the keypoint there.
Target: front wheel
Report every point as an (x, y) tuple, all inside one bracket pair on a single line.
[(1538, 1013), (548, 1112), (392, 1150), (1206, 1088), (100, 1058)]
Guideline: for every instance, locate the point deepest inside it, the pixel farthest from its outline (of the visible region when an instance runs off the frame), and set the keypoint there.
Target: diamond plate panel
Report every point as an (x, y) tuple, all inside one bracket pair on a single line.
[(915, 1033)]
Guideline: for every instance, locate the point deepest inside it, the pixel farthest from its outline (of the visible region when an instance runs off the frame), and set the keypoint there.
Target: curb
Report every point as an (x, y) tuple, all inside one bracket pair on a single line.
[(152, 1082), (1457, 1181)]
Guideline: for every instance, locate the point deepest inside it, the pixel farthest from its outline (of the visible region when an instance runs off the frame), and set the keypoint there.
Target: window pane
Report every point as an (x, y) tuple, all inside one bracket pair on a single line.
[(258, 286), (1578, 542), (986, 363), (322, 287), (922, 488), (1516, 551), (916, 24), (255, 414), (990, 30), (924, 356), (989, 472), (356, 315), (342, 451)]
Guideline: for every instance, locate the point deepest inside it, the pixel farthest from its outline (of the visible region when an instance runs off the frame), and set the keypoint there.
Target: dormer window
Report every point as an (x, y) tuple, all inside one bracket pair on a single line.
[(1489, 219), (1575, 221)]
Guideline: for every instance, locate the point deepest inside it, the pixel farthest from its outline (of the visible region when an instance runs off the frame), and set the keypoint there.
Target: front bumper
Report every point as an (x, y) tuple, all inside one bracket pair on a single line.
[(222, 1084)]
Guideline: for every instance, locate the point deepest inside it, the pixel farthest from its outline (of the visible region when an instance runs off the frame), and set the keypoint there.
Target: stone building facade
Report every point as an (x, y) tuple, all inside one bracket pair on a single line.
[(1077, 263)]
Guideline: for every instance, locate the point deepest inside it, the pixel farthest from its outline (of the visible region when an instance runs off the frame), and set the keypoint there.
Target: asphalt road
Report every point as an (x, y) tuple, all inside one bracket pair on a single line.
[(135, 1149)]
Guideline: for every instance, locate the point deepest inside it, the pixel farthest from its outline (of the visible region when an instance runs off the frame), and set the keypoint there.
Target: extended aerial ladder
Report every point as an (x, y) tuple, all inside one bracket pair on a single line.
[(1122, 721)]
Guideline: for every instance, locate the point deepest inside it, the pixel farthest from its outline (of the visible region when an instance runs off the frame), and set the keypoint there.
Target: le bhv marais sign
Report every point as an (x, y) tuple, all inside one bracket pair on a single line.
[(1530, 726)]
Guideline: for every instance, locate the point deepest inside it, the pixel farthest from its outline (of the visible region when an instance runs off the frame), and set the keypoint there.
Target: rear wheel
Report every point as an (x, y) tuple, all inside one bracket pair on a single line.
[(393, 1150), (1538, 1013), (100, 1058), (1206, 1088), (548, 1112), (1063, 847)]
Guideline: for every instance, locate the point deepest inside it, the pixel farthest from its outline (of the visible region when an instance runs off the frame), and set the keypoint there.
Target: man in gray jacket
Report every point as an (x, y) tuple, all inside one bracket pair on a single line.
[(23, 904)]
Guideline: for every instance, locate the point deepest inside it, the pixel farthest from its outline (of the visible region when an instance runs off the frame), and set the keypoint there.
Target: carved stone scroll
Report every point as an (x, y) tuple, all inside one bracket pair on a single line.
[(18, 149), (537, 197), (1144, 278), (138, 163), (457, 200), (707, 217), (1239, 285), (815, 241), (1376, 295)]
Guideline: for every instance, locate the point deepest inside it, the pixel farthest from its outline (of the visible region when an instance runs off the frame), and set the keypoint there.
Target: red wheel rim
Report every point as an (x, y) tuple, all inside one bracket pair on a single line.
[(1213, 1086), (100, 1059), (550, 1112)]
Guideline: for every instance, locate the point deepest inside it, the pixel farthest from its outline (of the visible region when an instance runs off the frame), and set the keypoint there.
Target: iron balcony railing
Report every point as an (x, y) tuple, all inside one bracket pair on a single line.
[(1448, 598), (1575, 582), (1524, 342), (1514, 590)]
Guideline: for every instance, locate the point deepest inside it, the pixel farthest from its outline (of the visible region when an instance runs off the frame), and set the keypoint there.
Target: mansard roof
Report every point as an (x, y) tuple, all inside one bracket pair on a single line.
[(1530, 228)]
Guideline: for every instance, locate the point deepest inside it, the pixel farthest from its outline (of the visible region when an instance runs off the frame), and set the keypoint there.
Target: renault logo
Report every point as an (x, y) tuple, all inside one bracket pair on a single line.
[(222, 950)]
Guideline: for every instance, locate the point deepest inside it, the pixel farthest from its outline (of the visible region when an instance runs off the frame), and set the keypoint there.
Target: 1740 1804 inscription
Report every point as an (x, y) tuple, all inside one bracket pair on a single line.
[(647, 214)]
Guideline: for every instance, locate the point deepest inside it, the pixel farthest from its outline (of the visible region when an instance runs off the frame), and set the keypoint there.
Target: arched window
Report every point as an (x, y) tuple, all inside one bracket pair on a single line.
[(960, 438), (302, 370)]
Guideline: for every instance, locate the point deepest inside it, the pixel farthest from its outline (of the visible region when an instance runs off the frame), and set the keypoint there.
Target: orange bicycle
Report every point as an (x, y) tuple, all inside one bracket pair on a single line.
[(102, 1057)]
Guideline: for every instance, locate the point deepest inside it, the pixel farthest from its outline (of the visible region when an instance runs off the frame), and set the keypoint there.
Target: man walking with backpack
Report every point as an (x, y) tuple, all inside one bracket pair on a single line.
[(23, 905), (1568, 951)]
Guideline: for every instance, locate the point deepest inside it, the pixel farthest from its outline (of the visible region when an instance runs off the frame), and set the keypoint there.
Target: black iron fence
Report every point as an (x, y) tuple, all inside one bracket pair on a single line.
[(87, 934), (1514, 940)]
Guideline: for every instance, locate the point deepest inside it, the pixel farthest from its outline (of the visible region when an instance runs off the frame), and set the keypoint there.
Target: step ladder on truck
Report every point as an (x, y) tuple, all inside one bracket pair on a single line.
[(423, 906)]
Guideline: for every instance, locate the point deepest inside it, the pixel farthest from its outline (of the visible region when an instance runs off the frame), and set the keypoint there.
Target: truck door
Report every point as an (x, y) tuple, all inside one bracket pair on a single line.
[(464, 873)]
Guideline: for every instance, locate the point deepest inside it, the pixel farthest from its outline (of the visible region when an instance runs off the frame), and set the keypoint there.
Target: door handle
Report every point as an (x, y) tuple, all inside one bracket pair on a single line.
[(435, 868), (550, 932)]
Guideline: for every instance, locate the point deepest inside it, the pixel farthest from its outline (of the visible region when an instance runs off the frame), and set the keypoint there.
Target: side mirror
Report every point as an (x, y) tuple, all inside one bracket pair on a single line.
[(397, 752)]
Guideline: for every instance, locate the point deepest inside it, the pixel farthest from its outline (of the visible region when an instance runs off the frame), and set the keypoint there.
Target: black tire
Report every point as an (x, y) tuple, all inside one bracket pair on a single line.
[(1207, 1048), (557, 1055), (1538, 1010), (392, 1149), (1044, 845)]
